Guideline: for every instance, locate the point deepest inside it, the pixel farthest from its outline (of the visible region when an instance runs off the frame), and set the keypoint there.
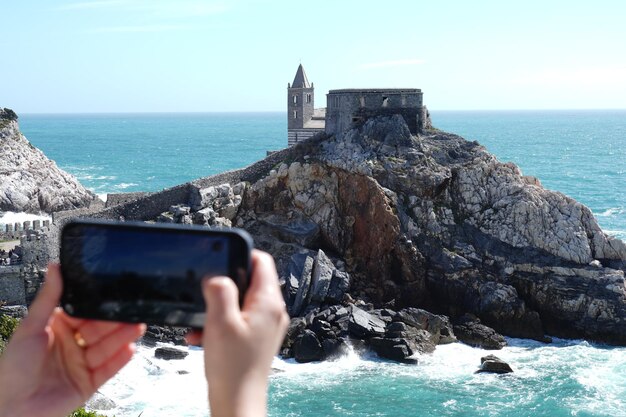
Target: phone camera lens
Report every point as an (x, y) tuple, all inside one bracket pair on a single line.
[(218, 245)]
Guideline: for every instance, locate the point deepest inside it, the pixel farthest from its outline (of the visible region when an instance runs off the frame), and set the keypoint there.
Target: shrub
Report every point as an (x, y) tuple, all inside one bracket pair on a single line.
[(7, 327), (81, 412)]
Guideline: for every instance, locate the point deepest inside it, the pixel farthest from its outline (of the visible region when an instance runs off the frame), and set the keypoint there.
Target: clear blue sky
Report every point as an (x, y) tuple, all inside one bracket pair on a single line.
[(239, 55)]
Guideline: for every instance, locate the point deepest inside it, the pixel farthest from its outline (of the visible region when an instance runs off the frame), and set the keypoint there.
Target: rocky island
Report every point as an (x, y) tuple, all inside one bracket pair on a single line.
[(400, 241), (29, 181)]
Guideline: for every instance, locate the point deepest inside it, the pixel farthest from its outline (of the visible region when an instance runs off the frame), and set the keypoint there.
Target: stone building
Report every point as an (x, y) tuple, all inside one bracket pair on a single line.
[(347, 107), (303, 120)]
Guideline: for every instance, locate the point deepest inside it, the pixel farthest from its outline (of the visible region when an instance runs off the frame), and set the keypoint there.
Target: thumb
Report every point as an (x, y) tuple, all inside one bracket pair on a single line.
[(222, 300)]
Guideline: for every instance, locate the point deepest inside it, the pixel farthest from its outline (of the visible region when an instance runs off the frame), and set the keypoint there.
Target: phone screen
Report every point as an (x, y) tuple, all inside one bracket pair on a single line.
[(146, 273)]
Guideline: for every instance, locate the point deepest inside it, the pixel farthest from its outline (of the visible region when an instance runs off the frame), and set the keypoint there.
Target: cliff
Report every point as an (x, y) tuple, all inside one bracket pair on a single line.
[(30, 182), (400, 241)]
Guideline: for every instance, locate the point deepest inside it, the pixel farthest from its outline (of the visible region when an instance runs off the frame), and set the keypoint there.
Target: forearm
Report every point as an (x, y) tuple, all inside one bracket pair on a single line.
[(246, 400)]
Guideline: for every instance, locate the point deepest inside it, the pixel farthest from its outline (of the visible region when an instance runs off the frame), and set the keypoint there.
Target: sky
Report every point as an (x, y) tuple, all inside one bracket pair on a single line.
[(73, 56)]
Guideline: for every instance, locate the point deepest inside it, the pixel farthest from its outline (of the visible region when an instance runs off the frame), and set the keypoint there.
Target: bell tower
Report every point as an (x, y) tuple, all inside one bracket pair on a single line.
[(299, 101)]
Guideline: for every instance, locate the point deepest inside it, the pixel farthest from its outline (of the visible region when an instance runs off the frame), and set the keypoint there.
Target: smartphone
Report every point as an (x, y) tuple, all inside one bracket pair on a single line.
[(147, 273)]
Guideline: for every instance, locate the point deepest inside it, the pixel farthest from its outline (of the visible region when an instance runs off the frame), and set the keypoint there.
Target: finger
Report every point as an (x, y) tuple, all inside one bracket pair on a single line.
[(112, 365), (93, 331), (264, 275), (98, 354), (264, 280), (47, 299), (194, 338), (222, 300)]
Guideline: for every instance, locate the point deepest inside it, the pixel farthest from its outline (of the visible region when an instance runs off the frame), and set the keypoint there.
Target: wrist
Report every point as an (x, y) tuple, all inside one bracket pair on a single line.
[(247, 399)]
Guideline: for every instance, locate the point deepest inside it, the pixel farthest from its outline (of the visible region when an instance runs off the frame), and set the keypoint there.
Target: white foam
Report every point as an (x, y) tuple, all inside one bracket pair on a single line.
[(613, 211), (156, 388), (124, 185)]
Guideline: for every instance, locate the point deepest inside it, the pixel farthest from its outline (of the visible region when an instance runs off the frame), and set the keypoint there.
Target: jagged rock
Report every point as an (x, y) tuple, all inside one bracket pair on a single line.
[(304, 285), (339, 286), (363, 325), (307, 348), (438, 327), (471, 331), (170, 353), (493, 364), (31, 182), (430, 221), (321, 277), (397, 349)]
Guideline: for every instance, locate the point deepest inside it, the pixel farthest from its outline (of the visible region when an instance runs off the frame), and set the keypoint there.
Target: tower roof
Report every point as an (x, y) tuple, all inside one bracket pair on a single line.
[(300, 80)]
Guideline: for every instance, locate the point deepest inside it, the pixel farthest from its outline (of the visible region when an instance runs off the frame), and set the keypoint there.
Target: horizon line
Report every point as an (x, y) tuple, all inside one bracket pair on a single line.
[(285, 111)]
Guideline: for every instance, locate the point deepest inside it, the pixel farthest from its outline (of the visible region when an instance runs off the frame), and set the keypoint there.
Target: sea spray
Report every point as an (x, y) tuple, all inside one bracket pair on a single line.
[(564, 378)]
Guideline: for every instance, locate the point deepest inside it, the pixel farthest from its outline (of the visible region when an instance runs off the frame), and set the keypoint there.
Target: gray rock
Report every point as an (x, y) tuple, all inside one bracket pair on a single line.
[(321, 277), (303, 287), (363, 325), (307, 348), (493, 364), (470, 331), (30, 182), (339, 285), (396, 349), (170, 353)]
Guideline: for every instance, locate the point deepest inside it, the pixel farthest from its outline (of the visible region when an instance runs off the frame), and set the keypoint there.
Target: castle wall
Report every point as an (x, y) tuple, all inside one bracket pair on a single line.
[(12, 289), (344, 108), (298, 135)]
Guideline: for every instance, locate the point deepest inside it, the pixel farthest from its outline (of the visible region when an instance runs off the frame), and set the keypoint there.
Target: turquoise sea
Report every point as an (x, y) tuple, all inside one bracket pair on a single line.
[(580, 153)]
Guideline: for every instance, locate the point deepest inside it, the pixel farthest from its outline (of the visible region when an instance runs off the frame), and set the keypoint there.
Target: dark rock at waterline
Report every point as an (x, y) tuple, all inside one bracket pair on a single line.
[(397, 349), (472, 332), (307, 348), (170, 353), (493, 364), (164, 334)]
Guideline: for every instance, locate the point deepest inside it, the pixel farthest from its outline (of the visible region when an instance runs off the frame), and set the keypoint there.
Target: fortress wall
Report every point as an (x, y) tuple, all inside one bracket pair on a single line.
[(346, 107), (115, 199), (12, 285)]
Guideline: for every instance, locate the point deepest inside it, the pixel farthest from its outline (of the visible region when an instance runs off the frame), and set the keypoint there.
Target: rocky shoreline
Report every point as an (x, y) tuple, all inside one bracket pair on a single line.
[(399, 242)]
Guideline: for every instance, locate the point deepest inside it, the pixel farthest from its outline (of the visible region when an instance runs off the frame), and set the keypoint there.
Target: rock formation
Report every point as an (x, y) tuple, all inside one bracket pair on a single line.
[(384, 239), (30, 182)]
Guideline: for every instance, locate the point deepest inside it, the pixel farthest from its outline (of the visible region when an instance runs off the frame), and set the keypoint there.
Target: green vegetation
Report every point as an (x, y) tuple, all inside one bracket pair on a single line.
[(81, 412), (8, 325)]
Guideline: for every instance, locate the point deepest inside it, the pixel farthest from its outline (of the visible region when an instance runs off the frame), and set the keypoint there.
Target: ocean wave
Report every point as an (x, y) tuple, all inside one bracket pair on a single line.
[(96, 177), (124, 185), (611, 212)]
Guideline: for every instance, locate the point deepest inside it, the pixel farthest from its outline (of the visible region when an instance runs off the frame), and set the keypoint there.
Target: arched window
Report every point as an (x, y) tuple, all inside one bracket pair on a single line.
[(295, 99), (308, 98), (295, 114)]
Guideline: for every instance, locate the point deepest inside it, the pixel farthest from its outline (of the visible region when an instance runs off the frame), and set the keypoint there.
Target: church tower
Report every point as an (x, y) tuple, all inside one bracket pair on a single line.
[(299, 101)]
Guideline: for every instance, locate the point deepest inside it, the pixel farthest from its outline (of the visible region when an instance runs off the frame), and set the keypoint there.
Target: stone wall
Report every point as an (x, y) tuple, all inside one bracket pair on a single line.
[(115, 199), (344, 108), (11, 285), (15, 231), (299, 135)]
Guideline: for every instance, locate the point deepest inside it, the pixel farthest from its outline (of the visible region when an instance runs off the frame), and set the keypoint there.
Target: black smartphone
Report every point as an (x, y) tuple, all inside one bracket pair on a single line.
[(147, 273)]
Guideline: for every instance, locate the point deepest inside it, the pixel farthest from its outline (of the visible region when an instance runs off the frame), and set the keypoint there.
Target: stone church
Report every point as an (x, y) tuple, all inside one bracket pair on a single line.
[(346, 108)]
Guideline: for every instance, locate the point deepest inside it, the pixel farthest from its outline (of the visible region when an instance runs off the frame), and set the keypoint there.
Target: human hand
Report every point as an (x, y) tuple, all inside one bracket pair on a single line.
[(45, 372), (240, 344)]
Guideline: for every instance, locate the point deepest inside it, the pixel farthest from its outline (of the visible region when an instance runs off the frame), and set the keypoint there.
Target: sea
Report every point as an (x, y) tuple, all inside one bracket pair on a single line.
[(579, 153)]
